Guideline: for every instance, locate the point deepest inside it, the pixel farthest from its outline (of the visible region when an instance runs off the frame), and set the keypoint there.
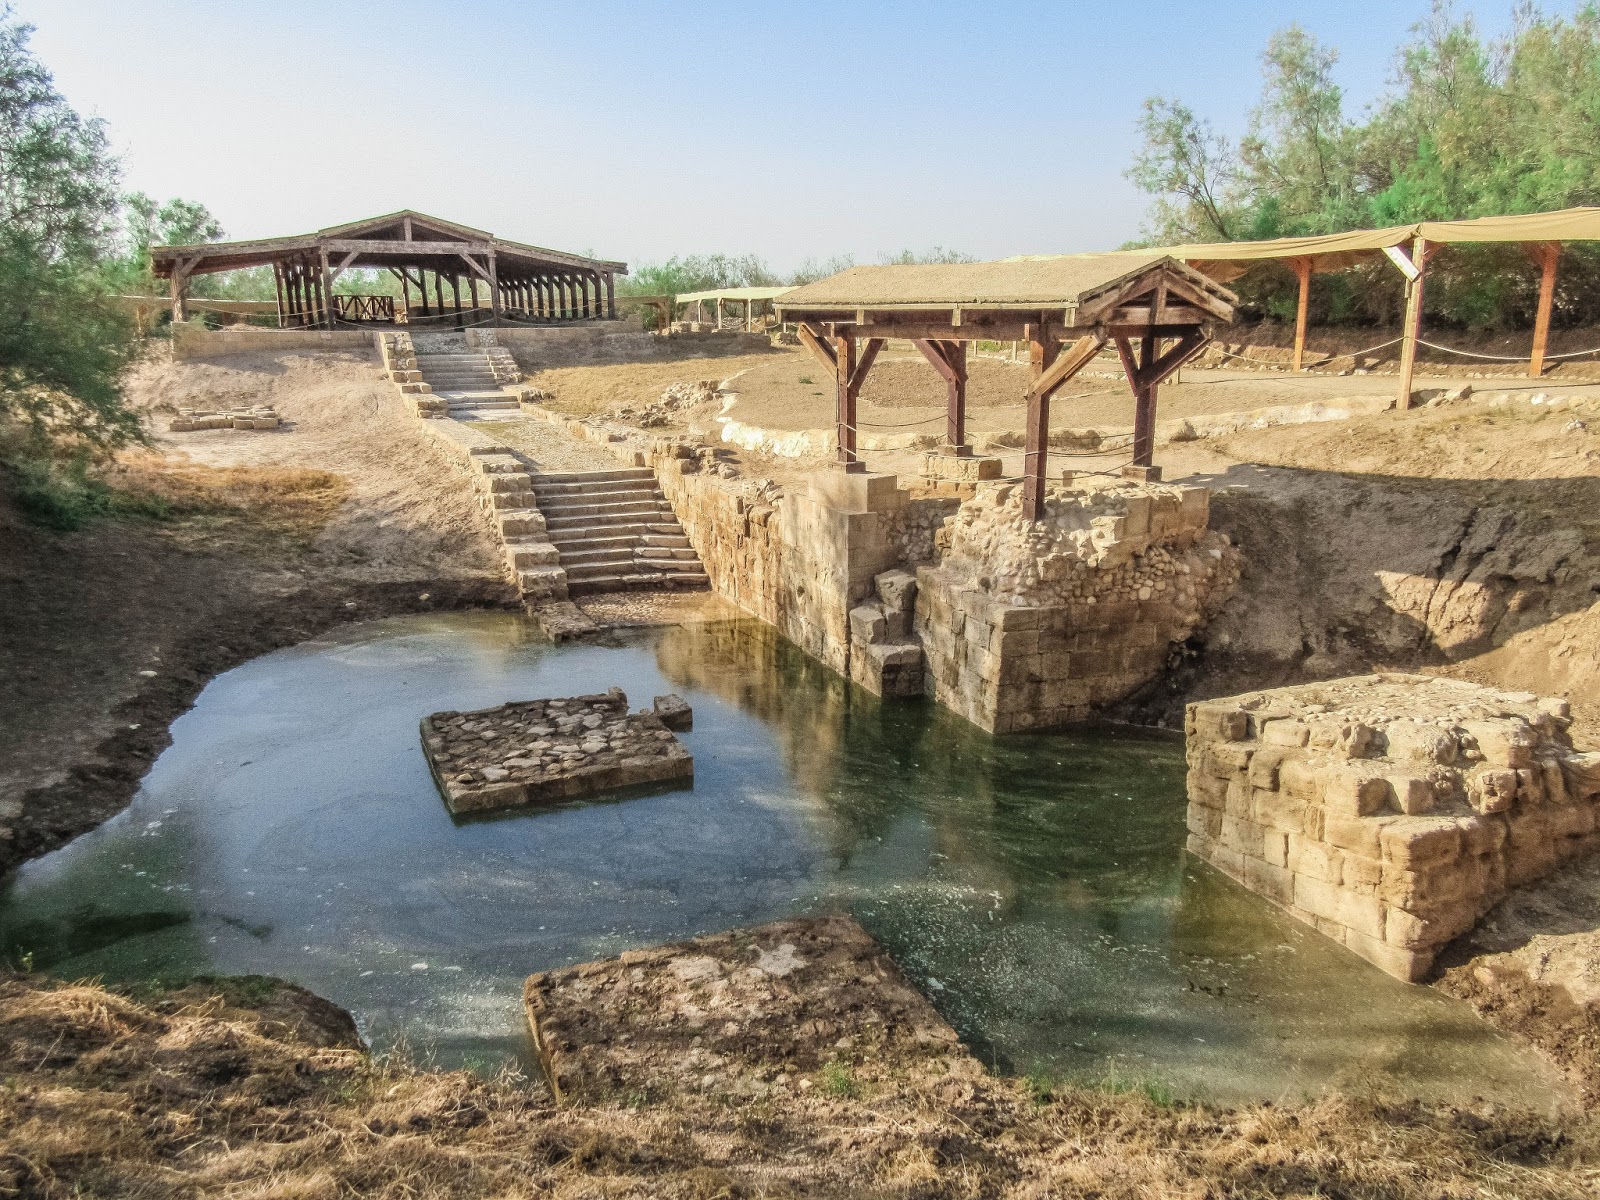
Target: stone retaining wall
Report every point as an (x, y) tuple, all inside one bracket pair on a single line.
[(1389, 811)]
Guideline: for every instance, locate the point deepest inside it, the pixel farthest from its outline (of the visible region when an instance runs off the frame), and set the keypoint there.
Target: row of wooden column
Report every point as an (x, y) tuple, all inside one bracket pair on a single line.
[(1414, 265), (562, 296), (1161, 351), (302, 292)]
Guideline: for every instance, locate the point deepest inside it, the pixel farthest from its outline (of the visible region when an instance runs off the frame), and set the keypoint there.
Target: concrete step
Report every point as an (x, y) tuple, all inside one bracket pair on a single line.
[(665, 554)]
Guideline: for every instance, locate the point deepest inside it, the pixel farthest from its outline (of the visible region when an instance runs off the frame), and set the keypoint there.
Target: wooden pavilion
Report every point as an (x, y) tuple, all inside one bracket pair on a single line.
[(1154, 308), (521, 284)]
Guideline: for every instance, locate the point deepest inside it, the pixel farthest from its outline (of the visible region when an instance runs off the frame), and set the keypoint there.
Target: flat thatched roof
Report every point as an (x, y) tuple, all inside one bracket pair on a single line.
[(1065, 281)]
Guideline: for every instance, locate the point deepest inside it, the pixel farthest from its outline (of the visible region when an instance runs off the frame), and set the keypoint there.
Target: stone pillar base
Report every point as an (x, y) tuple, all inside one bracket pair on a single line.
[(942, 464)]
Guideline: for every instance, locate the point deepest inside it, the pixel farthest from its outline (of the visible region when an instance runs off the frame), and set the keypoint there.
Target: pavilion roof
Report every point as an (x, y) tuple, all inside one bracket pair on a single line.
[(381, 241), (1083, 287), (733, 293)]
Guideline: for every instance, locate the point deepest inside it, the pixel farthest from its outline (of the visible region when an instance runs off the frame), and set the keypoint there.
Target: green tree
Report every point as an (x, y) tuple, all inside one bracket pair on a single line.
[(1191, 170), (63, 342)]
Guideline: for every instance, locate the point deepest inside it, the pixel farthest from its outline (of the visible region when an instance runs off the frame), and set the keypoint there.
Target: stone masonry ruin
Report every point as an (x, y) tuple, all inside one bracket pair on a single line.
[(545, 751), (1390, 812)]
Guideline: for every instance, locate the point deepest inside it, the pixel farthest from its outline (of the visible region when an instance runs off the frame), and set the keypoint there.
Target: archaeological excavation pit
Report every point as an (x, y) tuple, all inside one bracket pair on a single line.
[(545, 751)]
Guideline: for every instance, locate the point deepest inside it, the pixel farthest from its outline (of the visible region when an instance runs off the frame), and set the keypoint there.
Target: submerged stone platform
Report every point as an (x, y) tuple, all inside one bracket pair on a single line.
[(1389, 811), (778, 1008), (543, 751)]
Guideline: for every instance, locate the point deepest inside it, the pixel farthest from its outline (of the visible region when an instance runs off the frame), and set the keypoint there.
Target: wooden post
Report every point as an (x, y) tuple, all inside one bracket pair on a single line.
[(438, 291), (494, 290), (277, 290), (1042, 351), (326, 286), (1547, 254), (455, 295), (611, 296), (1302, 271), (180, 292), (949, 358), (1144, 405), (472, 292), (844, 349), (1413, 325)]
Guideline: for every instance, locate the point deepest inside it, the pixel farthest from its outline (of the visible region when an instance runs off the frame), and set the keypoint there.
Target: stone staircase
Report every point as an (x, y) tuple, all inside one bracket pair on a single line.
[(615, 530), (469, 377)]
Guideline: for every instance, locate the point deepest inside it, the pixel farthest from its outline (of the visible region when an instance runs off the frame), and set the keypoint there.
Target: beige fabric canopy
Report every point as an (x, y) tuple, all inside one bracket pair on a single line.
[(733, 293)]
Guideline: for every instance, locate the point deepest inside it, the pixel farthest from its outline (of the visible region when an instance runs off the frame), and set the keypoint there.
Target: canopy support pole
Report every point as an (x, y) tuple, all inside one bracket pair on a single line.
[(1416, 278), (1302, 271), (1547, 254)]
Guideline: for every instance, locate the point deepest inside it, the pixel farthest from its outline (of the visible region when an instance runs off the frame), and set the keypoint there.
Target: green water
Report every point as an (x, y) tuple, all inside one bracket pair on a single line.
[(1036, 886)]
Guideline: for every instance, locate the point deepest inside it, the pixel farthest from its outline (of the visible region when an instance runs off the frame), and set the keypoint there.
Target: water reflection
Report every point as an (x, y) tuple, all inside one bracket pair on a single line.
[(1035, 885)]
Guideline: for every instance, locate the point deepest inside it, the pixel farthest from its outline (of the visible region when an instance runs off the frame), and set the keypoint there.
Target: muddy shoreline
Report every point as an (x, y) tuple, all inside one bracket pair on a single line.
[(101, 785)]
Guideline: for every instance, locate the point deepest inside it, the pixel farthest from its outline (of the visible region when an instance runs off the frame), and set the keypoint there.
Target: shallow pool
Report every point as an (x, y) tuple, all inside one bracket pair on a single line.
[(1035, 886)]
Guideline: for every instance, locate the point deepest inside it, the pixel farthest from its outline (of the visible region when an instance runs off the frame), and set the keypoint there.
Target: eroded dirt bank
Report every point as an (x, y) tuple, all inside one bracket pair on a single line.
[(267, 538)]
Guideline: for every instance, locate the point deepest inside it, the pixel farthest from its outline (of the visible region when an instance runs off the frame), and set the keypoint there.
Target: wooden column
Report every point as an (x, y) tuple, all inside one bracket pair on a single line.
[(325, 284), (949, 358), (1420, 254), (455, 296), (583, 287), (277, 290), (494, 290), (719, 321), (1042, 351), (611, 296), (180, 290), (1302, 272), (1546, 254), (472, 292), (1144, 404)]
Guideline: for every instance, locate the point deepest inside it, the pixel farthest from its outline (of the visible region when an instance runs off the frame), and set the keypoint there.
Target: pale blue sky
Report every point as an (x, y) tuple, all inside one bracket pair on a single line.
[(644, 130)]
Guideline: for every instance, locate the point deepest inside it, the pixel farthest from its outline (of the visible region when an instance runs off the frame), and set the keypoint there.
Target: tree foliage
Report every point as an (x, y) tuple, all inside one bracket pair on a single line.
[(1468, 127), (63, 342)]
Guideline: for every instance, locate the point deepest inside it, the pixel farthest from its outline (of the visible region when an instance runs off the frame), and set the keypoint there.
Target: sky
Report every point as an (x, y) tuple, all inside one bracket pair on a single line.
[(638, 131)]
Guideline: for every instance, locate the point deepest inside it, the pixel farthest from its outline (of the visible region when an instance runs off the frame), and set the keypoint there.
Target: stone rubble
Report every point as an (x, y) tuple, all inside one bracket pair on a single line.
[(1389, 811), (543, 751), (260, 416)]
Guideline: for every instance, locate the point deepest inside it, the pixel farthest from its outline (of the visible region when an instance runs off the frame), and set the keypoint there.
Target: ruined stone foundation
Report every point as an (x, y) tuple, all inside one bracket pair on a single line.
[(1037, 624), (1389, 811)]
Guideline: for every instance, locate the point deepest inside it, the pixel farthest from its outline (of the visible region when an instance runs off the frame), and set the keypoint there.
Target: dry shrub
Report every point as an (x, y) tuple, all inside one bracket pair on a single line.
[(201, 1094)]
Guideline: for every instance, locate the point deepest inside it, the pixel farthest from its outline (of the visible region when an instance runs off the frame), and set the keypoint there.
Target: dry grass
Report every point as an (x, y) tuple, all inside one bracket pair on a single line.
[(580, 390), (211, 1093), (293, 501)]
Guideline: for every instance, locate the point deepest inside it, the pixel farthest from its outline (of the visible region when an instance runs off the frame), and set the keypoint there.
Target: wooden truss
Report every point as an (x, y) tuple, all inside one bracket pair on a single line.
[(1157, 323)]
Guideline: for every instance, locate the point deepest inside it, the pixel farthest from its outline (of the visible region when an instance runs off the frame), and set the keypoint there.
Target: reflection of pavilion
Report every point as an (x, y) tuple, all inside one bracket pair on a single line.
[(521, 284)]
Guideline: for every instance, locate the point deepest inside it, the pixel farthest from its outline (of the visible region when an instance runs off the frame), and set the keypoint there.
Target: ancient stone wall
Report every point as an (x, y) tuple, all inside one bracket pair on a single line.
[(190, 342), (1389, 811), (1032, 625)]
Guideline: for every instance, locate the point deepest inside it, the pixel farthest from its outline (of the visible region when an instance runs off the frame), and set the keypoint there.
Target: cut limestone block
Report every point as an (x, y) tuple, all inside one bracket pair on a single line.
[(675, 713), (745, 1014), (543, 751), (1390, 812)]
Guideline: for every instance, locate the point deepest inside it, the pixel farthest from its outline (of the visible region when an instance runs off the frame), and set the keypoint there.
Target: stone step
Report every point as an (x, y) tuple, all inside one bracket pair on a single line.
[(622, 490), (591, 477), (606, 556), (572, 509), (649, 579), (665, 554), (574, 528)]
